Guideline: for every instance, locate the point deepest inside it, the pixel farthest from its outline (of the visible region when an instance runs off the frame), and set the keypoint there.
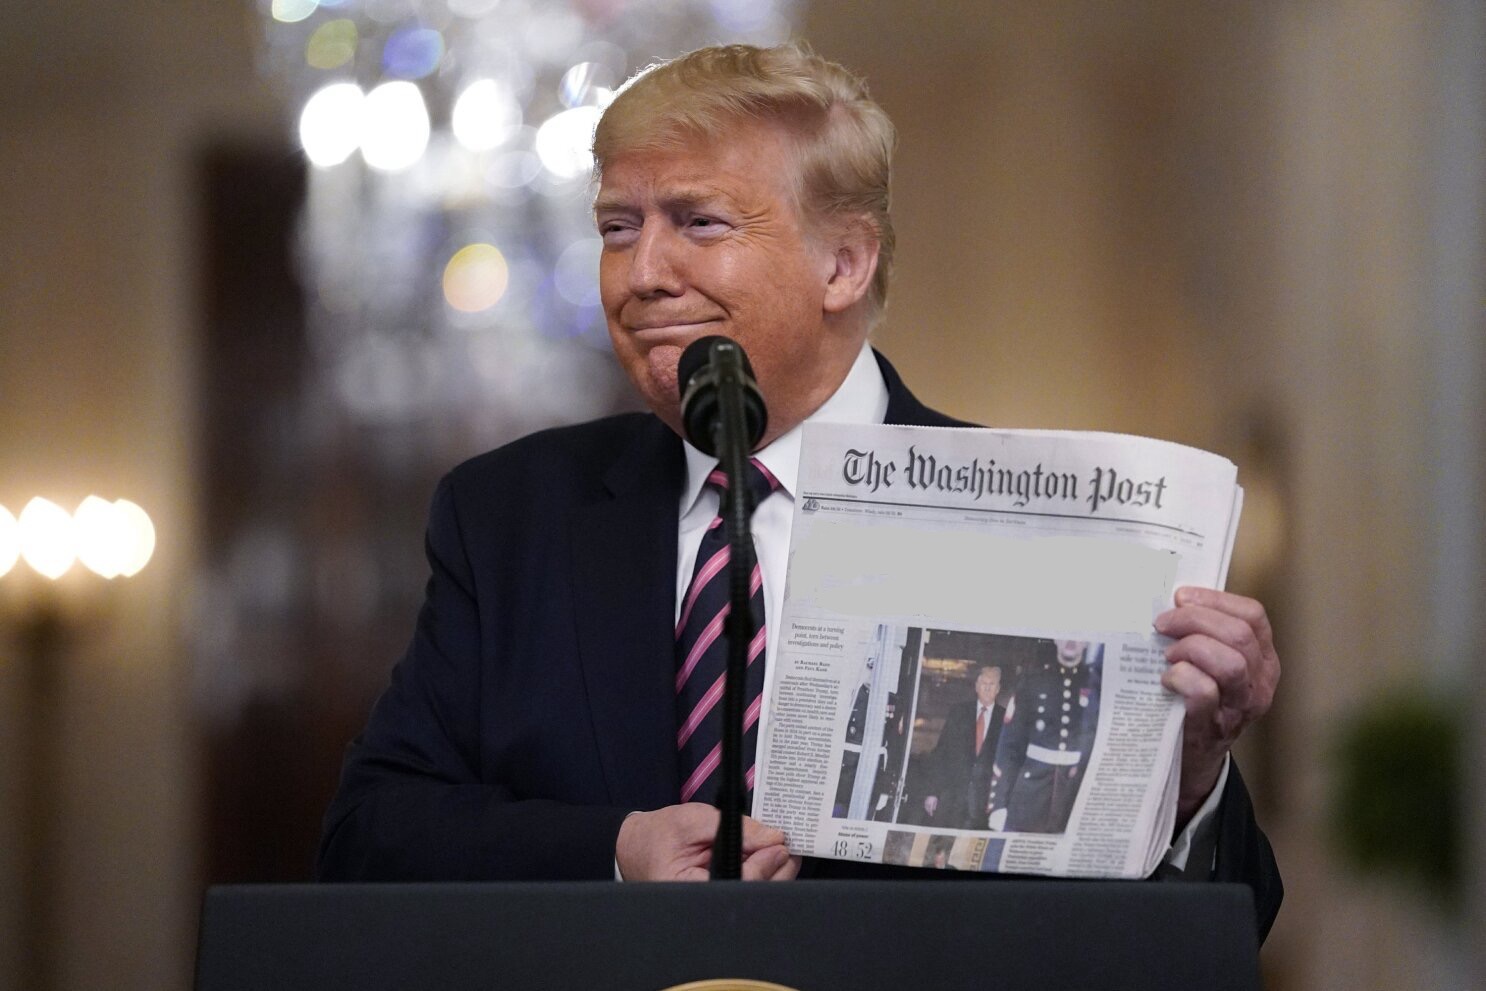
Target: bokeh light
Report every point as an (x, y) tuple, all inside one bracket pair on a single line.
[(473, 122), (135, 537), (486, 116), (516, 168), (293, 11), (608, 55), (332, 45), (476, 278), (473, 8), (749, 20), (395, 126), (413, 53), (46, 538), (565, 142), (550, 33), (587, 84), (330, 125), (10, 541), (95, 528), (111, 539), (577, 271)]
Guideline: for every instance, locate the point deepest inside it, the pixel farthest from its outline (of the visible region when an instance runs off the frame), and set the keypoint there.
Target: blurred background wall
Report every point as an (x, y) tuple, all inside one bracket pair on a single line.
[(1256, 228)]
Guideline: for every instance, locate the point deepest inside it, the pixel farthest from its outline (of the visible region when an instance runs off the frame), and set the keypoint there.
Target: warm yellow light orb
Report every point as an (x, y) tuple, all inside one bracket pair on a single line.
[(136, 537), (10, 541), (476, 278), (332, 45), (97, 530), (46, 538)]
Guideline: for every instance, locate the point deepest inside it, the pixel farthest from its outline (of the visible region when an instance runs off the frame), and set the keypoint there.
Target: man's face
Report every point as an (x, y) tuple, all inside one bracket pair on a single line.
[(705, 238), (988, 685), (1070, 652)]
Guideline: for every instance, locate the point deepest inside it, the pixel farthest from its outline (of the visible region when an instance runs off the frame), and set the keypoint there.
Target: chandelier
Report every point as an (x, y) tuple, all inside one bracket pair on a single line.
[(446, 243)]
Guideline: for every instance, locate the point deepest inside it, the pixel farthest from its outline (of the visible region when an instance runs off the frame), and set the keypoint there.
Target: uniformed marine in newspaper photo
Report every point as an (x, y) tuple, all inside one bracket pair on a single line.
[(1047, 740)]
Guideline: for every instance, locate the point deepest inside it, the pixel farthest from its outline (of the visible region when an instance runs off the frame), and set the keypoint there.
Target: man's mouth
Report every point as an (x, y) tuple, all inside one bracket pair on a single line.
[(664, 326)]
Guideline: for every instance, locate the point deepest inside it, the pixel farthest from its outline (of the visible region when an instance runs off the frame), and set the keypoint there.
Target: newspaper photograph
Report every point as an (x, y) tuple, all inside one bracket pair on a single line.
[(968, 677)]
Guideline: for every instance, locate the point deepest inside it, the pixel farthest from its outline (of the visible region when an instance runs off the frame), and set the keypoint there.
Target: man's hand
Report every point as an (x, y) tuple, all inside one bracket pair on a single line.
[(1224, 665), (675, 844), (931, 804)]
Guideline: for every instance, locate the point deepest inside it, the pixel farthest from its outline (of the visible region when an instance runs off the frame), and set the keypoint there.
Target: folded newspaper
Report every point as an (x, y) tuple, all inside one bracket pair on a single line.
[(967, 675)]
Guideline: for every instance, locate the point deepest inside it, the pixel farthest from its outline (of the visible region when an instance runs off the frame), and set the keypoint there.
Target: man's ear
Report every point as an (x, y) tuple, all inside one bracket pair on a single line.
[(855, 262)]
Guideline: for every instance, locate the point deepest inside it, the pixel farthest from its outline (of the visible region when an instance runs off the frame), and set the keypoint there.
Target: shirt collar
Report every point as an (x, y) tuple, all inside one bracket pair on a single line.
[(860, 398)]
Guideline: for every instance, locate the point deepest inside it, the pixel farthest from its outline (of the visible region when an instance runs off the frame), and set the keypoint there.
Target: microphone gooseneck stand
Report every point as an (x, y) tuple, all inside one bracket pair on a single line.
[(733, 445)]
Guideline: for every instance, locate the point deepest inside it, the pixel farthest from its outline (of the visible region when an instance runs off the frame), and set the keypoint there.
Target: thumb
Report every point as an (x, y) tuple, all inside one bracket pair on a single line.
[(756, 835), (763, 865)]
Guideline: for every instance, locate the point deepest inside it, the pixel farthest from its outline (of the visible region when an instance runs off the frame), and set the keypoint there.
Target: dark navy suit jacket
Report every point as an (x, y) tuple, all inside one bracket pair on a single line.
[(958, 776), (535, 706)]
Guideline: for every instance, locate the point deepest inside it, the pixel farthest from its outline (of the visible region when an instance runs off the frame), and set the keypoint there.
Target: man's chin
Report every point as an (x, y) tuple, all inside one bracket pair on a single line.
[(661, 368), (656, 383)]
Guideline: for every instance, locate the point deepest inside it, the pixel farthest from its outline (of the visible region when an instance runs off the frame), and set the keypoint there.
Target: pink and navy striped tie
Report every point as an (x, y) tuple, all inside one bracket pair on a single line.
[(701, 653)]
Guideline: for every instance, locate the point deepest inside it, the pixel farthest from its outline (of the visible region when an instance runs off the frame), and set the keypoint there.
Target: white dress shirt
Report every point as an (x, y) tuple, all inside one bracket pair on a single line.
[(861, 398)]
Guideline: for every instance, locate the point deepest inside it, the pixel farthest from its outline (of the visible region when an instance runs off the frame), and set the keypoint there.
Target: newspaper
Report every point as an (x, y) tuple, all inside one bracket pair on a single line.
[(967, 675)]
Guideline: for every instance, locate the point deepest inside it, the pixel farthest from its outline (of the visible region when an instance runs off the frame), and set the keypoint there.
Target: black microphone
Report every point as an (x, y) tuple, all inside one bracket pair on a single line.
[(705, 364), (722, 413)]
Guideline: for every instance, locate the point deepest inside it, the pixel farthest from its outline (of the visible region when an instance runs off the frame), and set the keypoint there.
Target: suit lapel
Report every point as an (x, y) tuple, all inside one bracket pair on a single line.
[(624, 575), (903, 406)]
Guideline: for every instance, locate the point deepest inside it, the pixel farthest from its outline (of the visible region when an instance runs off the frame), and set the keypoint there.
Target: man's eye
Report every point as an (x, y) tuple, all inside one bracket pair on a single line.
[(703, 223), (613, 231)]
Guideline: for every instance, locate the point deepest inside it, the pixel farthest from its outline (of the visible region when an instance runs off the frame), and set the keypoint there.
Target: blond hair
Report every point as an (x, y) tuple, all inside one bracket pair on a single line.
[(843, 142)]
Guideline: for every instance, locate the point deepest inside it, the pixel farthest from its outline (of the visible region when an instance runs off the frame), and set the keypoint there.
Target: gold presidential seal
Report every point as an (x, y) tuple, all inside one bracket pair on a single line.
[(729, 984)]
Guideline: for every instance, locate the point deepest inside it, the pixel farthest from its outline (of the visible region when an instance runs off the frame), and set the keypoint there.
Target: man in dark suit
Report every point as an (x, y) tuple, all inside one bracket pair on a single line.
[(959, 766), (531, 729)]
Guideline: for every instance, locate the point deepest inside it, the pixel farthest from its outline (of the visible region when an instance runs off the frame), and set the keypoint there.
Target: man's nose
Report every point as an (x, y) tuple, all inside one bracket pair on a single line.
[(653, 266)]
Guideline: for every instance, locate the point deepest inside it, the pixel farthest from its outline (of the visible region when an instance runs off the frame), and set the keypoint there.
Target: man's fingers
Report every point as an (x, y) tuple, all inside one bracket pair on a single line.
[(1195, 686), (788, 871), (668, 844), (694, 874), (1222, 663), (1208, 718), (1202, 615), (1249, 610), (1209, 731), (756, 835), (1186, 621), (763, 864)]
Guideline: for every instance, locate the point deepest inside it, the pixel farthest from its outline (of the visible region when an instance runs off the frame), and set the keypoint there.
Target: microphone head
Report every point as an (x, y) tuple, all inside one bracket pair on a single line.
[(697, 381), (698, 355)]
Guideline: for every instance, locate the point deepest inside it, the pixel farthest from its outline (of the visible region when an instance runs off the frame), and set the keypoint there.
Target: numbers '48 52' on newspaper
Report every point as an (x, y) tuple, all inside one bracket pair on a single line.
[(967, 676)]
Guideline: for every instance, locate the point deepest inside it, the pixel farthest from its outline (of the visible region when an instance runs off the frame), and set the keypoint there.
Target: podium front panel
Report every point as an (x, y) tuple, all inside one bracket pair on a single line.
[(1008, 935)]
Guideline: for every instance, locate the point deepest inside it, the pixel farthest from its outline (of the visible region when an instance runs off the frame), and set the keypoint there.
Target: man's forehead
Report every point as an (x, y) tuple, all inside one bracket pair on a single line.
[(623, 187), (696, 168)]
